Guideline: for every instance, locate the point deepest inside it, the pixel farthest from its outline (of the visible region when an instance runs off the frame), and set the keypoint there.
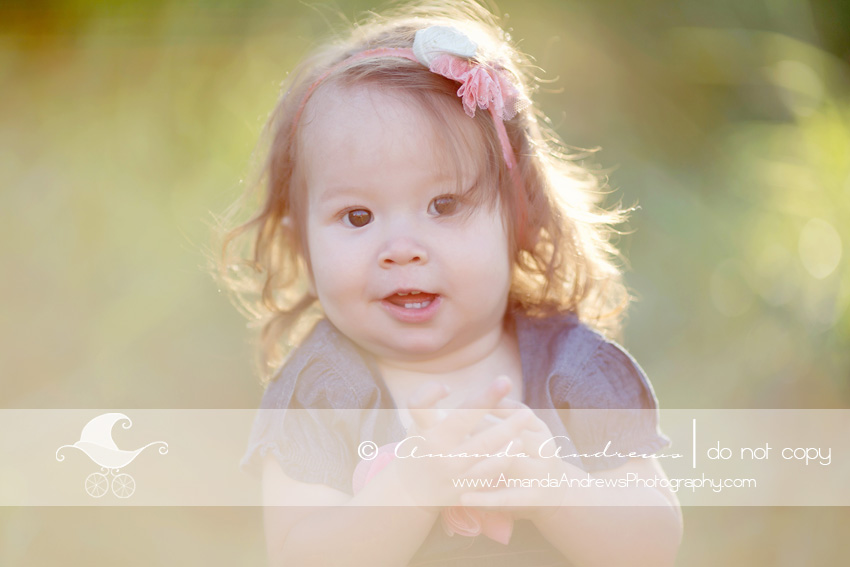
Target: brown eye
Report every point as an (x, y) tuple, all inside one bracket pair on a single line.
[(444, 205), (358, 218)]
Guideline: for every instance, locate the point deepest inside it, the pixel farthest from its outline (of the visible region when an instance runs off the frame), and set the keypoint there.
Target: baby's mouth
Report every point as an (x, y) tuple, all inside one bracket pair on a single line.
[(412, 299)]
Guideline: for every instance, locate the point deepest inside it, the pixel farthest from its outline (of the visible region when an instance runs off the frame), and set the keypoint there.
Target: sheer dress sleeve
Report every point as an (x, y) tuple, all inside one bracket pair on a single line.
[(314, 414), (613, 409)]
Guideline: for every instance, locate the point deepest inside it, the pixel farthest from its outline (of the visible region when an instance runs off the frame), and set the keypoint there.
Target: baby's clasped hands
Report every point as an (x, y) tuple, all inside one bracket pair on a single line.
[(522, 493), (468, 442), (511, 433)]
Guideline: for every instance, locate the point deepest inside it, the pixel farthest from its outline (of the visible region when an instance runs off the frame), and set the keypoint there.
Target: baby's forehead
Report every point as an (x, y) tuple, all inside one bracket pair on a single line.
[(359, 117), (335, 111)]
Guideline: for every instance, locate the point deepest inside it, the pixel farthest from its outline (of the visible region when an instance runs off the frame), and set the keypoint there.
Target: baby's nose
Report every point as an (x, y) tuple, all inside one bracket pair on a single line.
[(401, 251)]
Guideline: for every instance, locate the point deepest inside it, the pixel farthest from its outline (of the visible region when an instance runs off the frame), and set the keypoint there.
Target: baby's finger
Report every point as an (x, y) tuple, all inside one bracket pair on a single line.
[(508, 407), (496, 417), (510, 403), (534, 422), (495, 438), (465, 419), (422, 404), (490, 397), (427, 395), (488, 420), (494, 467)]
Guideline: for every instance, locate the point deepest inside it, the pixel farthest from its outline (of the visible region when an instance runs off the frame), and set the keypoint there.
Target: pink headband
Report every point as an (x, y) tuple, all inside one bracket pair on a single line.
[(448, 52)]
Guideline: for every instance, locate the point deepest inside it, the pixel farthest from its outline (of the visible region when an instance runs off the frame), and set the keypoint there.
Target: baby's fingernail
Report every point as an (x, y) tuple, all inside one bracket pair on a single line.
[(534, 423)]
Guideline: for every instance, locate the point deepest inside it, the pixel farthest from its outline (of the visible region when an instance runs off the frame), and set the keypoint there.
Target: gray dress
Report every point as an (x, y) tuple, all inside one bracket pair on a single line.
[(565, 366)]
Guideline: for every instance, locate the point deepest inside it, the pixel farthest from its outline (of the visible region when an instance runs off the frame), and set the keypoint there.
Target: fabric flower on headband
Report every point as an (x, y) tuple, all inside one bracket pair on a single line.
[(434, 41), (447, 51)]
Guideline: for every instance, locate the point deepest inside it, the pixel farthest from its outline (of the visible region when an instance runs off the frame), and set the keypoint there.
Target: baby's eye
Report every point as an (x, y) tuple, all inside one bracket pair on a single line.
[(444, 205), (357, 218)]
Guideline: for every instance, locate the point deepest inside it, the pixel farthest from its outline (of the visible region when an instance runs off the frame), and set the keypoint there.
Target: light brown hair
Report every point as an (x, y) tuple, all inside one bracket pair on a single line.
[(563, 257)]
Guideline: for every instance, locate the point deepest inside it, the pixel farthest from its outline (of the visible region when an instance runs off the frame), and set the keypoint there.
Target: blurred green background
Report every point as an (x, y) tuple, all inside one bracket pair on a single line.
[(124, 125)]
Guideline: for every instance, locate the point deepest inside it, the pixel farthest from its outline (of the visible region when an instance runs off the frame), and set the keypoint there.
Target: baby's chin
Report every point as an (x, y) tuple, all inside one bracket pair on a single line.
[(409, 350), (420, 350)]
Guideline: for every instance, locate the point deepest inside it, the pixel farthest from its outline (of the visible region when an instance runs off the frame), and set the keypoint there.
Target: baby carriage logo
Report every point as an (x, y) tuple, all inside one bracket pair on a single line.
[(96, 442)]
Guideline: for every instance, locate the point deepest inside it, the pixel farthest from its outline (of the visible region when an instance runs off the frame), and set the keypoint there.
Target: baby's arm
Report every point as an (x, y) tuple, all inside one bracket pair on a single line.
[(313, 524), (386, 522), (617, 526)]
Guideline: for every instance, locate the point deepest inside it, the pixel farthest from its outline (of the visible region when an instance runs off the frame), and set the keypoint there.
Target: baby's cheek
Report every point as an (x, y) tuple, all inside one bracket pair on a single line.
[(322, 266), (488, 249)]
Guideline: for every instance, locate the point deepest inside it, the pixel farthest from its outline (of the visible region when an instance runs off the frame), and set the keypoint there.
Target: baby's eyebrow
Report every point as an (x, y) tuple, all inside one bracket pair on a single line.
[(464, 184), (333, 192), (338, 192), (466, 187)]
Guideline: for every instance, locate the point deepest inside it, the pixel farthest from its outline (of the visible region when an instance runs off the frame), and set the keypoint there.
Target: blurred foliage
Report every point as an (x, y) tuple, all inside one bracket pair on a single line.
[(123, 124)]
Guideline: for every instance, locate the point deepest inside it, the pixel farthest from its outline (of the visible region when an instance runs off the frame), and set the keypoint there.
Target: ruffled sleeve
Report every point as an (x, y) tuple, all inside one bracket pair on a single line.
[(314, 413), (588, 390), (613, 409)]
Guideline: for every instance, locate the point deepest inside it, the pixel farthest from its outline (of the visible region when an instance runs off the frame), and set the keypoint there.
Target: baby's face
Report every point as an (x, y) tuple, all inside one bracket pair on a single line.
[(400, 263)]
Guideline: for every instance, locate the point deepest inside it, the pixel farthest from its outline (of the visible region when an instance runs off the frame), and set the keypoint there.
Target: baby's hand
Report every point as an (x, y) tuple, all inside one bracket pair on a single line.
[(471, 429), (535, 501)]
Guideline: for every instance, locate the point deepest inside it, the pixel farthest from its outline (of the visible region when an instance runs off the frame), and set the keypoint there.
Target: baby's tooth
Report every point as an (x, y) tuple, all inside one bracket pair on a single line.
[(415, 292)]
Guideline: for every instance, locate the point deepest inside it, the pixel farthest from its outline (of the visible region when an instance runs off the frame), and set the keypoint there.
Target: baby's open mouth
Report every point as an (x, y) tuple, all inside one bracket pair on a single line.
[(411, 299)]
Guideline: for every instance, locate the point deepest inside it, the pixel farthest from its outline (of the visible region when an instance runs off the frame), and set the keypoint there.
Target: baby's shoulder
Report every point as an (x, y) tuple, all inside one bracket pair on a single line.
[(584, 368), (560, 341), (324, 371)]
